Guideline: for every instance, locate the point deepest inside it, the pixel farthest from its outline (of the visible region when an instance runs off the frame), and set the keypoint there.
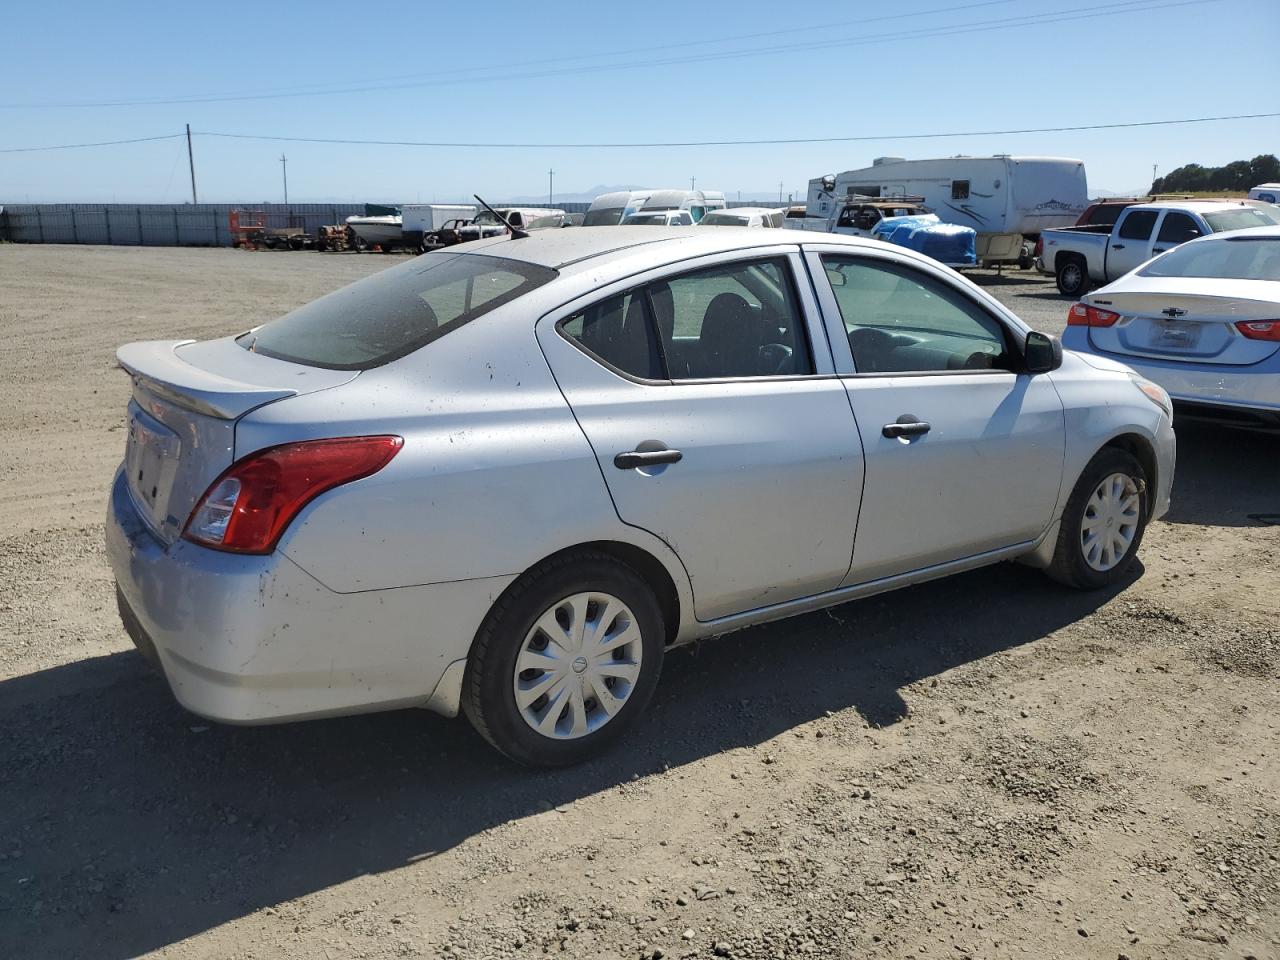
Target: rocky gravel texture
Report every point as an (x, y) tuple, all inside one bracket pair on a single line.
[(988, 766)]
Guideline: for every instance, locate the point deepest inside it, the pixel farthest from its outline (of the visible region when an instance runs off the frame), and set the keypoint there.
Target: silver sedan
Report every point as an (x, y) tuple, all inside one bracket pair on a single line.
[(506, 477)]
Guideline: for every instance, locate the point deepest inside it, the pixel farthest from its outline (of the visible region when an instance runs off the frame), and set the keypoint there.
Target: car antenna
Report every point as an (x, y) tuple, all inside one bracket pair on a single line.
[(516, 232)]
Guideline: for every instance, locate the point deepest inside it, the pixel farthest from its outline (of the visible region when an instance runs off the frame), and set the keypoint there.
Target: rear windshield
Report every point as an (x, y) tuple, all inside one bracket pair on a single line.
[(724, 220), (391, 314), (646, 220), (1240, 219), (1231, 258), (607, 217)]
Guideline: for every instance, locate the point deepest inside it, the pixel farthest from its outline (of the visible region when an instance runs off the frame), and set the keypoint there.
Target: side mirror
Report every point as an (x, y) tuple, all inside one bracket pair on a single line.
[(1042, 352)]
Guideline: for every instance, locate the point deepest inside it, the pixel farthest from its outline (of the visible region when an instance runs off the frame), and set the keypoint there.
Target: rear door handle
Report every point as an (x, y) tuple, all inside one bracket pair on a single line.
[(907, 426), (633, 459)]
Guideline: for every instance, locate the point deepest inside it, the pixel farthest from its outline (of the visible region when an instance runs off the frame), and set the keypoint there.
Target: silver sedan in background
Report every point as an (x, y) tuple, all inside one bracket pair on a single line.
[(504, 478), (1202, 320)]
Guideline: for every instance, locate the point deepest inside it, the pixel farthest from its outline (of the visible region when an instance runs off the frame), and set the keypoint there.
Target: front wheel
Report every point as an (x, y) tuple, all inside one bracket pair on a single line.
[(565, 661), (1103, 523), (1073, 277)]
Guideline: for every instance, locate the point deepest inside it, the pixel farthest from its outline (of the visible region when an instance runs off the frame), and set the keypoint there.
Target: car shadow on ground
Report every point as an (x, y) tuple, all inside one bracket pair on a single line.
[(1225, 476), (130, 824)]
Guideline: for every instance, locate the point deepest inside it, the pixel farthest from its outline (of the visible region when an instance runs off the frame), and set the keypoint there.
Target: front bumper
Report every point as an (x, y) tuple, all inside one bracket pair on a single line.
[(252, 639)]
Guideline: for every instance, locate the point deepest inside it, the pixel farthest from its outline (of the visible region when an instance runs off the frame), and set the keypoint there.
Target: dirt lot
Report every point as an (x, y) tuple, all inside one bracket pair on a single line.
[(989, 766)]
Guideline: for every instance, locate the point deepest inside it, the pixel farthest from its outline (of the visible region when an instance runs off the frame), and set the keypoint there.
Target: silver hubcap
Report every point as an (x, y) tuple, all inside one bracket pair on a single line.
[(1110, 522), (1071, 276), (578, 665)]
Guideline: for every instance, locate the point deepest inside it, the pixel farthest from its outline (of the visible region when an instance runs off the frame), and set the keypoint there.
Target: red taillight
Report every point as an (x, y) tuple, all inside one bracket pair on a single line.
[(247, 508), (1260, 329), (1083, 315)]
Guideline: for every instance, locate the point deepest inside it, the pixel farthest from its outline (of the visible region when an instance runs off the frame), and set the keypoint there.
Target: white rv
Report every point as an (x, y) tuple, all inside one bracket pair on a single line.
[(1007, 200), (609, 209)]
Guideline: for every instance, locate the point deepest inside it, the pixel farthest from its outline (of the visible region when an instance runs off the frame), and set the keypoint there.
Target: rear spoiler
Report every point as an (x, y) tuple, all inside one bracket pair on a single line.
[(156, 366)]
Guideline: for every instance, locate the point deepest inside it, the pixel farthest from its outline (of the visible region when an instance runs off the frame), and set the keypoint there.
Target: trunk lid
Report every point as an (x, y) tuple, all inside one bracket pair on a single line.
[(1175, 319), (186, 400)]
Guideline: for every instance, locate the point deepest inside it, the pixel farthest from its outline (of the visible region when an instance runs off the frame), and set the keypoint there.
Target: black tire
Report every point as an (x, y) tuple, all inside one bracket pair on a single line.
[(1069, 565), (1072, 276), (488, 698)]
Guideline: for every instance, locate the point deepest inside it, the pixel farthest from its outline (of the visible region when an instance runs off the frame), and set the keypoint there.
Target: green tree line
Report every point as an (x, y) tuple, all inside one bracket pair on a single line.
[(1241, 175)]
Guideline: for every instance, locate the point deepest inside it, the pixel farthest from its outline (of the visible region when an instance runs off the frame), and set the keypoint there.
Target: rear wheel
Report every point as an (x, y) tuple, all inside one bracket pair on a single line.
[(566, 660), (1073, 277), (1103, 523)]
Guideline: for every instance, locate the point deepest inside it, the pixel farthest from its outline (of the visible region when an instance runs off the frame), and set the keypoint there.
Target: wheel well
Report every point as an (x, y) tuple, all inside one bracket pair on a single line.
[(1064, 256), (650, 568), (1141, 450)]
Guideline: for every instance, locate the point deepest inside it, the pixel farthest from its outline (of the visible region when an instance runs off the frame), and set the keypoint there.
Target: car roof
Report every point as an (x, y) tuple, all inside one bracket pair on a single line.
[(581, 248), (1199, 206)]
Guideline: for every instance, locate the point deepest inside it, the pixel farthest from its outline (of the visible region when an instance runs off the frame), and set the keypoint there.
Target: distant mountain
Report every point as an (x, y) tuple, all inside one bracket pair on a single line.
[(584, 196)]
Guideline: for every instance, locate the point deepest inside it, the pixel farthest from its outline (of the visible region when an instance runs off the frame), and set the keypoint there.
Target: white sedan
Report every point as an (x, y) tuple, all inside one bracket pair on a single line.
[(1202, 320), (506, 477)]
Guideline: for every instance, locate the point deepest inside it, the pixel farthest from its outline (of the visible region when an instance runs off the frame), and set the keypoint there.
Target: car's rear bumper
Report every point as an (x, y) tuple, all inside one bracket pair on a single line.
[(1254, 387), (254, 639)]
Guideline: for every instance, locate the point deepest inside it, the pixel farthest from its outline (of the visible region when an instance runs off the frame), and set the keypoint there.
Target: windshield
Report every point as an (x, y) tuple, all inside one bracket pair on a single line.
[(724, 220), (1230, 258), (606, 217), (395, 312), (484, 216), (646, 220), (1240, 219)]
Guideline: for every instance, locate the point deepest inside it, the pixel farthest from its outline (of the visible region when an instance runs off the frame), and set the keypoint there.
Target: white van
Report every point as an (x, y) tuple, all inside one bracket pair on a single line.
[(1266, 192), (609, 209)]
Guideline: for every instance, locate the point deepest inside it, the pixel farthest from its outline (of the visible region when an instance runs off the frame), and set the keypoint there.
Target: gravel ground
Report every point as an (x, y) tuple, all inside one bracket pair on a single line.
[(994, 767)]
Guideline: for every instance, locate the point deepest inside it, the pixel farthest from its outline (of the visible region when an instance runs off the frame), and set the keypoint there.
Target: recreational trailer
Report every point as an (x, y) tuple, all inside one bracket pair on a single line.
[(1007, 200)]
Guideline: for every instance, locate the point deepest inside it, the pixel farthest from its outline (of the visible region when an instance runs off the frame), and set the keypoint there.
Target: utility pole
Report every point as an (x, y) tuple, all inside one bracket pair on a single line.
[(284, 172), (191, 162), (1154, 168), (692, 181), (551, 188), (779, 193)]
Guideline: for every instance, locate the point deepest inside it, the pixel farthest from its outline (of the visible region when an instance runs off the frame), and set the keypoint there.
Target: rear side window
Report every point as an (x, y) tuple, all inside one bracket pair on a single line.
[(1138, 225), (736, 320), (959, 189), (1177, 228), (393, 313)]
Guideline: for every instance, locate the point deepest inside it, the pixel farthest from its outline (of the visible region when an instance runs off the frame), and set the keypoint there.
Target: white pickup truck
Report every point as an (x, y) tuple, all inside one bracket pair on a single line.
[(1098, 254)]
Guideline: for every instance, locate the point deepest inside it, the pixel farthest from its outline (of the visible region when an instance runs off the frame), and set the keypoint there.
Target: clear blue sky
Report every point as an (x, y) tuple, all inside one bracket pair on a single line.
[(1155, 61)]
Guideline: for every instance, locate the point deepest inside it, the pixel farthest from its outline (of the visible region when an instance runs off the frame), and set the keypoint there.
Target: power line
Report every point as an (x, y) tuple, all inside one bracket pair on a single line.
[(100, 143), (737, 143), (1005, 23), (314, 89)]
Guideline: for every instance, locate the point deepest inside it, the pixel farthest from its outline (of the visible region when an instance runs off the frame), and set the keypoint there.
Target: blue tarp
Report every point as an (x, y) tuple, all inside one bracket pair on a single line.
[(945, 242)]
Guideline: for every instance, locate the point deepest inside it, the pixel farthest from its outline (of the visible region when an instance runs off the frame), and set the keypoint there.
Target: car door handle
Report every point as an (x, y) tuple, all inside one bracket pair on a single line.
[(633, 459), (907, 426), (1117, 246)]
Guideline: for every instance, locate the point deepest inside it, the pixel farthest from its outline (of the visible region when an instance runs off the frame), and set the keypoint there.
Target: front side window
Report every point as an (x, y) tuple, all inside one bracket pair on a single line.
[(734, 320), (1177, 228), (959, 189), (1138, 225), (899, 320), (393, 313)]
